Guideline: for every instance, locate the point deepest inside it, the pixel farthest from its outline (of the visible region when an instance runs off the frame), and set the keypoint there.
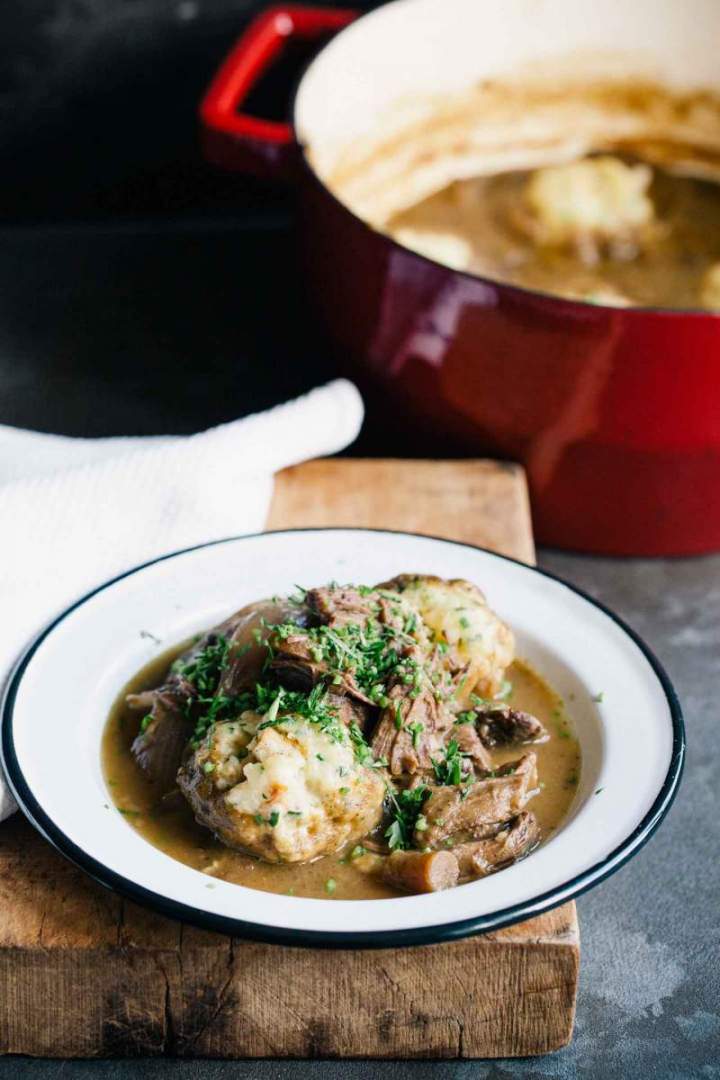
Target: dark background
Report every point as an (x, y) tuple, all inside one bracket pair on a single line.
[(141, 291), (98, 104)]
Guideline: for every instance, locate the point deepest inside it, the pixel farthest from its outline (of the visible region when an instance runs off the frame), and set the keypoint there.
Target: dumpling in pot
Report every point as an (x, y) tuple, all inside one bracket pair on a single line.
[(710, 290), (288, 792), (588, 205)]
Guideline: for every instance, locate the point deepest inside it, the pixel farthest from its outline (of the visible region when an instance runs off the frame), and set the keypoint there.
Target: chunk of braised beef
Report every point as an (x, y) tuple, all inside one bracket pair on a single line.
[(499, 725), (297, 666), (411, 730), (462, 812), (340, 605), (171, 710), (470, 745), (512, 842), (349, 710), (294, 662), (158, 748), (142, 702), (248, 644)]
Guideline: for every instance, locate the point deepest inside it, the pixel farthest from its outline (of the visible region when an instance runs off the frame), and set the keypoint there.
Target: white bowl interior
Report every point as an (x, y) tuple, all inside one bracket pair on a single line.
[(409, 49), (68, 688)]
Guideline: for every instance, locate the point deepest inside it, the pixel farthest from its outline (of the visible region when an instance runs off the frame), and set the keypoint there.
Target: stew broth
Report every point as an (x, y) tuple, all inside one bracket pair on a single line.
[(669, 269), (168, 823)]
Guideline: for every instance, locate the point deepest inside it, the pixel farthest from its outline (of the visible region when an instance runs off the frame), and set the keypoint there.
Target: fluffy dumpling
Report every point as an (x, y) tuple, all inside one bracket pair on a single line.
[(288, 792), (459, 617), (588, 204)]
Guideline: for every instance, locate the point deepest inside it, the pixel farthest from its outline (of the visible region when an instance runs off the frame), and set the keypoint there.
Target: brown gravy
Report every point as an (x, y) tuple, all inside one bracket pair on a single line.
[(668, 270), (168, 824)]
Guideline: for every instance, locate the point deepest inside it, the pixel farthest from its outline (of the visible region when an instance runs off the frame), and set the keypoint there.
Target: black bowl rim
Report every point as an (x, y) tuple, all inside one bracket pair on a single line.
[(350, 939)]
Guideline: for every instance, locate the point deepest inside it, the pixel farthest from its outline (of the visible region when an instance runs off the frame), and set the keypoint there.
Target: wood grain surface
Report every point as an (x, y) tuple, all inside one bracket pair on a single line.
[(84, 973), (480, 502)]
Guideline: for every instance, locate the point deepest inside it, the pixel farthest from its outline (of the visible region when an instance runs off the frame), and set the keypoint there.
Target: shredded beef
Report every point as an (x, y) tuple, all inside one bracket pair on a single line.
[(411, 730), (464, 812), (499, 725), (512, 842)]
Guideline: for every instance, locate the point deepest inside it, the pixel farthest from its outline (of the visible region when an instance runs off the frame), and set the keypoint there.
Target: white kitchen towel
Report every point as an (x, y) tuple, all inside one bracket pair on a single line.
[(75, 512)]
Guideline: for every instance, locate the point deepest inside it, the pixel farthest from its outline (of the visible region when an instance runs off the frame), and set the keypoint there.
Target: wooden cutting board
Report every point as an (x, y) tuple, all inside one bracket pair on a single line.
[(84, 973)]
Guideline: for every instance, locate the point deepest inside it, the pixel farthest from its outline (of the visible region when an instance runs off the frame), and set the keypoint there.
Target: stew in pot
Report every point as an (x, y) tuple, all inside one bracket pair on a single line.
[(602, 229)]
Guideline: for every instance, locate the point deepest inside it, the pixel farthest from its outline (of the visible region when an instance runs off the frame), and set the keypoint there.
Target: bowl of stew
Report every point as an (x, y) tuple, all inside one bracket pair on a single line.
[(510, 220), (342, 737)]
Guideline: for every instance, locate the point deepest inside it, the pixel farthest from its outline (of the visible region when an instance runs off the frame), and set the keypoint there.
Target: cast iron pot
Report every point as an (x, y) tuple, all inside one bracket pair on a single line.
[(615, 412)]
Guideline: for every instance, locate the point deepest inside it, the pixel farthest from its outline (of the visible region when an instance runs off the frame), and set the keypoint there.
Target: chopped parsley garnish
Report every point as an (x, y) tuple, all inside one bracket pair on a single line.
[(271, 714), (363, 753), (505, 692), (278, 706), (599, 697), (371, 653), (330, 885), (416, 731), (205, 668), (405, 811), (450, 769)]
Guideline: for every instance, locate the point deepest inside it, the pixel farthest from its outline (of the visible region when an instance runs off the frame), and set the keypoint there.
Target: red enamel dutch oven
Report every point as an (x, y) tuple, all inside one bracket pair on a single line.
[(614, 412)]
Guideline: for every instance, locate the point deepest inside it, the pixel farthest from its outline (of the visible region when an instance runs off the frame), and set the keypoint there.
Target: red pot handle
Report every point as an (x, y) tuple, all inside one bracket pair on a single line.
[(234, 139)]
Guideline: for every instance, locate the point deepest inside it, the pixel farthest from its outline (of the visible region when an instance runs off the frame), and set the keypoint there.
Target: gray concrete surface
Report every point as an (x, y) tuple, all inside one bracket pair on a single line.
[(650, 980)]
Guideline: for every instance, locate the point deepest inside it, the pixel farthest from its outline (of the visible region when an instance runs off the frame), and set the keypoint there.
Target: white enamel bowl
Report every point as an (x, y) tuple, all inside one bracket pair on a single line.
[(59, 696)]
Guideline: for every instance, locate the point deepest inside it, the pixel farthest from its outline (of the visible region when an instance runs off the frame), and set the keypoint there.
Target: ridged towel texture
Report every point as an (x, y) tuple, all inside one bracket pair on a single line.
[(76, 512)]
